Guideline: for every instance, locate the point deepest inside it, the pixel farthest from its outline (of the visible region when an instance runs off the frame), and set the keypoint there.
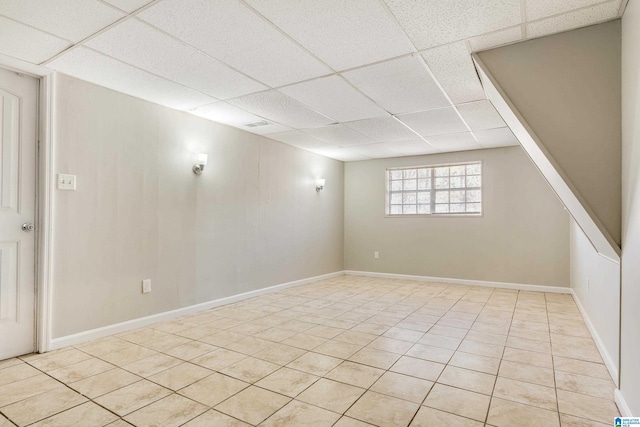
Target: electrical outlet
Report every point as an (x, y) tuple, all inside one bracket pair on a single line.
[(66, 182), (376, 254), (146, 286)]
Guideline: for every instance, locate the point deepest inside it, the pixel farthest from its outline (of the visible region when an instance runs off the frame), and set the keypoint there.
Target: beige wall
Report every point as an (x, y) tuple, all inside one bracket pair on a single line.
[(523, 236), (567, 88), (630, 311), (251, 220), (595, 281)]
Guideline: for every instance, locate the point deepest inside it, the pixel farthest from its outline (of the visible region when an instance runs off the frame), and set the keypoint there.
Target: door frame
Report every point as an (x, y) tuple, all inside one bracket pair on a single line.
[(45, 181)]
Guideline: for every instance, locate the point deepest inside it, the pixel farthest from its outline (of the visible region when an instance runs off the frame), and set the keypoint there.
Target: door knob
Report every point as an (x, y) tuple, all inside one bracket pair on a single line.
[(27, 226)]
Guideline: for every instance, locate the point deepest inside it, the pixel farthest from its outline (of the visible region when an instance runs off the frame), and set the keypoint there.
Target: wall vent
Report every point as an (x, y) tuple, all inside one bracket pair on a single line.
[(256, 124)]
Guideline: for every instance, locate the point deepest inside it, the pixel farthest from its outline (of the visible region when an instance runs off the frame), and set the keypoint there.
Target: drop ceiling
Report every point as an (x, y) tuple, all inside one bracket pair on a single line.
[(348, 79)]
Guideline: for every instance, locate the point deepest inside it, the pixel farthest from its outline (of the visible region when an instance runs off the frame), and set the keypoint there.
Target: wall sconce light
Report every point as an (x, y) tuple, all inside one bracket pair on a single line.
[(319, 184), (201, 162)]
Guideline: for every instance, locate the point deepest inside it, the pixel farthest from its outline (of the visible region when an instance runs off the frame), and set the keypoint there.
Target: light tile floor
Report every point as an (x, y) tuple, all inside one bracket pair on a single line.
[(349, 351)]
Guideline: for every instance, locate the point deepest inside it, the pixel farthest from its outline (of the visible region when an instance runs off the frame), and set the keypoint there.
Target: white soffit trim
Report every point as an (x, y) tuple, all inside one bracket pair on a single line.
[(602, 242)]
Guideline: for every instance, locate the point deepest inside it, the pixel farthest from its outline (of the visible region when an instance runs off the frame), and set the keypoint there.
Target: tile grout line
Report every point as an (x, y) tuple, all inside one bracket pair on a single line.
[(553, 362), (398, 316), (68, 387), (515, 307)]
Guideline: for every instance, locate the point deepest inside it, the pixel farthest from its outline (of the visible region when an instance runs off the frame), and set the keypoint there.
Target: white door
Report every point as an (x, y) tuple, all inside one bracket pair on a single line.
[(18, 103)]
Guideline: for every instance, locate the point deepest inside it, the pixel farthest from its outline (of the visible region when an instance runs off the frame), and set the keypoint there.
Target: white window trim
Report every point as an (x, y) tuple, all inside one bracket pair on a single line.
[(435, 215)]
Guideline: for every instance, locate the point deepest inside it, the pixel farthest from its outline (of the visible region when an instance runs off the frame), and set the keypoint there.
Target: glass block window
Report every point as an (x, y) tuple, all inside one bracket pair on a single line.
[(435, 190)]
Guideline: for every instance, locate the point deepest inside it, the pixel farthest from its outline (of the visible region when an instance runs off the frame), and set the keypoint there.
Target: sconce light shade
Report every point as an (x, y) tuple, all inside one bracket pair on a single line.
[(320, 184), (201, 162)]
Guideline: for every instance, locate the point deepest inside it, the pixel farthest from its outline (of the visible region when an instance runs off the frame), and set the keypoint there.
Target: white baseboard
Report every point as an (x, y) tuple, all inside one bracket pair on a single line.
[(606, 357), (129, 325), (622, 404), (503, 285)]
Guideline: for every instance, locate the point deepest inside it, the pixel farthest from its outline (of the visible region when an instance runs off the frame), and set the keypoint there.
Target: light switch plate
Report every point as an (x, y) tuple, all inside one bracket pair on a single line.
[(146, 286), (66, 182)]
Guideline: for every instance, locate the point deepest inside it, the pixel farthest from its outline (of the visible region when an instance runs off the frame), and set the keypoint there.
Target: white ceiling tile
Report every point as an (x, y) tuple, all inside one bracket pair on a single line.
[(501, 137), (400, 85), (499, 38), (94, 67), (344, 34), (455, 142), (335, 98), (280, 108), (454, 69), (343, 154), (340, 135), (434, 122), (128, 5), (70, 19), (480, 115), (573, 20), (225, 113), (435, 22), (412, 147), (228, 114), (267, 130), (375, 151), (230, 32), (385, 129), (28, 44), (537, 9), (145, 47), (300, 139)]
